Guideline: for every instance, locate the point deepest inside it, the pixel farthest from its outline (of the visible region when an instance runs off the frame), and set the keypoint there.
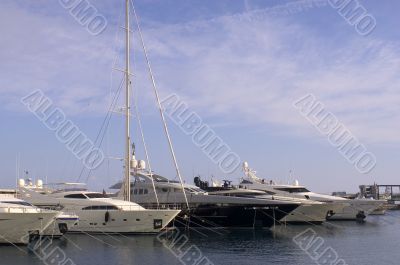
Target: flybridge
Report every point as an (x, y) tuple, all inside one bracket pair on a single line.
[(53, 187)]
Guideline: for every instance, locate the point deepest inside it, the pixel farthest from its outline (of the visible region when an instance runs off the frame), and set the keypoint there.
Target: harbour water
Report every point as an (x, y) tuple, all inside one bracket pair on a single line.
[(374, 242)]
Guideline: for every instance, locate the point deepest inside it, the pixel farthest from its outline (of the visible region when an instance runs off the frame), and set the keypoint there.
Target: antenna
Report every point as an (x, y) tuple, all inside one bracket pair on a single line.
[(16, 170), (290, 176), (47, 170)]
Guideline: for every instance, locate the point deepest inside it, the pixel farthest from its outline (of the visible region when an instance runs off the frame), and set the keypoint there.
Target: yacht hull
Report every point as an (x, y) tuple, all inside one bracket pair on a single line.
[(61, 225), (357, 209), (308, 213), (16, 228), (123, 222), (233, 216), (313, 213)]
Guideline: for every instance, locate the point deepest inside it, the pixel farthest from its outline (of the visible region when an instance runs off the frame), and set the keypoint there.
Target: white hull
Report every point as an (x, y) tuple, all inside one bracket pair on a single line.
[(15, 228), (312, 213), (147, 221), (354, 207), (61, 225), (378, 212)]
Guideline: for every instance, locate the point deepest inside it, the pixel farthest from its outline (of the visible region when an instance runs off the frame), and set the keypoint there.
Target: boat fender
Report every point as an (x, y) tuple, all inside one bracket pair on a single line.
[(63, 228), (360, 217), (107, 217)]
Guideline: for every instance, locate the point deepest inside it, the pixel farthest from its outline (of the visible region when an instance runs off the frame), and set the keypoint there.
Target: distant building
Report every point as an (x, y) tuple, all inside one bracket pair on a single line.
[(382, 192)]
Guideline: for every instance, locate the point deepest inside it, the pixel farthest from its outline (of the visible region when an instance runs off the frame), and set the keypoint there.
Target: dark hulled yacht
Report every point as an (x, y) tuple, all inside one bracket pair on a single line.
[(202, 209)]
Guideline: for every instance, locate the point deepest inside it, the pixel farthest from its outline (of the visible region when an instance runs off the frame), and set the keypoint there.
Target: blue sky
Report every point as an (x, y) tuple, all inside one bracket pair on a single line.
[(236, 63)]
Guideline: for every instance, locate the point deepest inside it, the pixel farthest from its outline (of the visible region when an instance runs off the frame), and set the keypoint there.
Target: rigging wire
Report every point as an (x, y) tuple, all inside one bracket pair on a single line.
[(159, 104), (105, 124), (103, 127), (111, 81), (144, 145)]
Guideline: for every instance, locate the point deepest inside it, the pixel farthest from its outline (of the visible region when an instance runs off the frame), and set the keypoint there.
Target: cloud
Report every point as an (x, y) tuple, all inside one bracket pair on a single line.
[(232, 68), (55, 54), (250, 71)]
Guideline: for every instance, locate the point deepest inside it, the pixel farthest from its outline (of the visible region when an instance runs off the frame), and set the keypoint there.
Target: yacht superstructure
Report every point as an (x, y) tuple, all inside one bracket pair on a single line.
[(355, 209)]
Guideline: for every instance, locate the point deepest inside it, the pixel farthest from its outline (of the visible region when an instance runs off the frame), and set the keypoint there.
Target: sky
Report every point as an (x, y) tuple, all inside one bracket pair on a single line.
[(238, 64)]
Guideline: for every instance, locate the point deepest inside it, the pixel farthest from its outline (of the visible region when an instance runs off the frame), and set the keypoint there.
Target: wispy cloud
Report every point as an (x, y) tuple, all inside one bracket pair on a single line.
[(228, 68), (251, 71), (53, 54)]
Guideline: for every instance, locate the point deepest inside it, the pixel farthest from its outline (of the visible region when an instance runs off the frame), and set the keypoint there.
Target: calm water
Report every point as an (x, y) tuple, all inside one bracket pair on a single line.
[(375, 242)]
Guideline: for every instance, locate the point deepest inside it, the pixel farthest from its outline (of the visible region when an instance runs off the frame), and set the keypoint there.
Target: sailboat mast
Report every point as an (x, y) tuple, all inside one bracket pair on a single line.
[(127, 195)]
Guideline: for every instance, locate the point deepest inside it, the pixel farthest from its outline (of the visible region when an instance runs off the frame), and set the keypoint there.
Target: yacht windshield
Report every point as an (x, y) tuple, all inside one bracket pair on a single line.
[(75, 196), (293, 190), (158, 178), (96, 195), (197, 189), (193, 189)]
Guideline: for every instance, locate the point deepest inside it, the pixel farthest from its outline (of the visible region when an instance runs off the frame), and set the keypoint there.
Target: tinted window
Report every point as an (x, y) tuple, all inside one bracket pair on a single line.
[(100, 207), (245, 181), (159, 178), (293, 190), (75, 196), (96, 195)]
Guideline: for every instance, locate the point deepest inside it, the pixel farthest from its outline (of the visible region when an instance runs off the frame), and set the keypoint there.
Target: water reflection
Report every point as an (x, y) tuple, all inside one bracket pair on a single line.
[(375, 242)]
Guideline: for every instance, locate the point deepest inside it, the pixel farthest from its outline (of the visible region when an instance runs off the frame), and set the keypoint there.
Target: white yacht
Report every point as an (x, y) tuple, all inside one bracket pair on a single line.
[(98, 213), (356, 209), (309, 211), (20, 221), (62, 222)]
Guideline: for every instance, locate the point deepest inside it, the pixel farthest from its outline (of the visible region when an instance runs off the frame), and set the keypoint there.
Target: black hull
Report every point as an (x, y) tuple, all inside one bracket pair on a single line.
[(303, 223), (241, 216)]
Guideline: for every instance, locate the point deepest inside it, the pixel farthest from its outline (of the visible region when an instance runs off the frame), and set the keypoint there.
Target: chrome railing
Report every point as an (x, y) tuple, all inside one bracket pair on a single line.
[(11, 209)]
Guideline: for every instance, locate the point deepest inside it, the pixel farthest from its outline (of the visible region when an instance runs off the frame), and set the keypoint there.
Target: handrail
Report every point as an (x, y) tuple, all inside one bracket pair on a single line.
[(8, 209), (119, 207)]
